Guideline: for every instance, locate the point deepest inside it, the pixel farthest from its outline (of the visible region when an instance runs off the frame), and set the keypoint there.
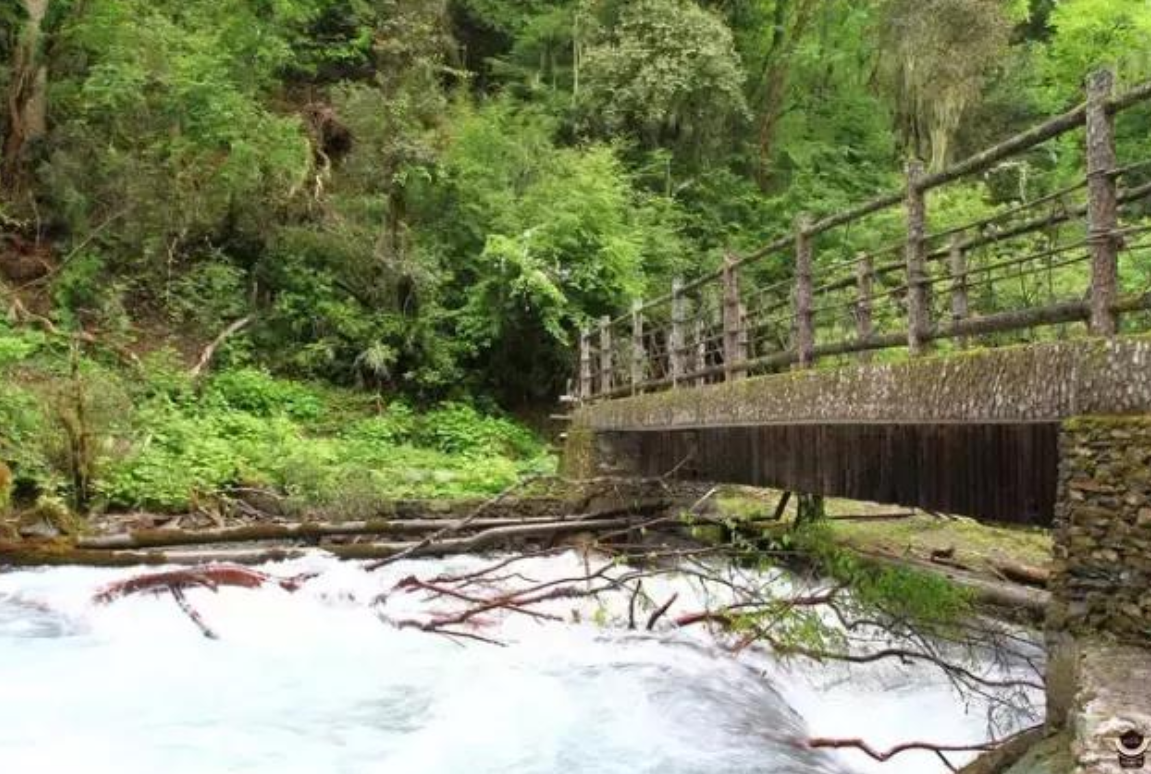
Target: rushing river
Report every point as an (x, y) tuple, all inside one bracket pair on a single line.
[(314, 682)]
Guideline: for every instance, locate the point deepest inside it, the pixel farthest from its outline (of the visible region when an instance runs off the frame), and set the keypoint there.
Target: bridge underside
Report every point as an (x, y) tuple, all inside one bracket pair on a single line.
[(996, 471)]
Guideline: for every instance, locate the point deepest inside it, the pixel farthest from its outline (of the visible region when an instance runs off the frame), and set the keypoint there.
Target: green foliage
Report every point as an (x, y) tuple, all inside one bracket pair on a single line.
[(19, 345), (249, 430), (258, 393), (457, 428), (158, 113), (209, 295), (901, 593), (150, 437), (184, 454), (429, 197), (1095, 33), (667, 73), (23, 428)]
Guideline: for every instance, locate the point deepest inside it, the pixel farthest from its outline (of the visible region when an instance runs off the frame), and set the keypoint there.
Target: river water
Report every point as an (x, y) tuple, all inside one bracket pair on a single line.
[(316, 682)]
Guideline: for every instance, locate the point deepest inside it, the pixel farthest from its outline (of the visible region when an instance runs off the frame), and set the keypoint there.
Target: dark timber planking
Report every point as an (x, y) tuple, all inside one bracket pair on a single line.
[(991, 471)]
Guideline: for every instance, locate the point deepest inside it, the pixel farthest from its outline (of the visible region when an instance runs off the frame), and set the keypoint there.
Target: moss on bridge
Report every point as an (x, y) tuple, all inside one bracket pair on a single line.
[(1049, 380)]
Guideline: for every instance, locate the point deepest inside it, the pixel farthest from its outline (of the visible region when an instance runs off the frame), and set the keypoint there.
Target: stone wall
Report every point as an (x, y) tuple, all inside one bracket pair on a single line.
[(1098, 694), (1102, 571), (1046, 381)]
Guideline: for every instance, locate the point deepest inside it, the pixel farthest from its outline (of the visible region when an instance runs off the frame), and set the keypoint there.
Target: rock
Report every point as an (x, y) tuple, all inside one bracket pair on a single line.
[(48, 518), (38, 527)]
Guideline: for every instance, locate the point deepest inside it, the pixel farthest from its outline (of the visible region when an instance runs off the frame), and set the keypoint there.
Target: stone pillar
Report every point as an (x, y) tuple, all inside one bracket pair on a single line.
[(1099, 619), (1101, 577)]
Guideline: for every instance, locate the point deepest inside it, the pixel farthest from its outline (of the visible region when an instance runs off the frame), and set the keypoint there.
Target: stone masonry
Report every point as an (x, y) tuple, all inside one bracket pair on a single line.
[(1102, 569)]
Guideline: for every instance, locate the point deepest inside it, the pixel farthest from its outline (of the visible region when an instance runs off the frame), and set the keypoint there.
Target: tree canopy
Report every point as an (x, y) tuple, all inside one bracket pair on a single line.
[(430, 196)]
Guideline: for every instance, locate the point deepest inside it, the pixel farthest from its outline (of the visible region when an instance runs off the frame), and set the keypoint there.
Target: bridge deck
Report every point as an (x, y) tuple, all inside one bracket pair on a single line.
[(974, 434)]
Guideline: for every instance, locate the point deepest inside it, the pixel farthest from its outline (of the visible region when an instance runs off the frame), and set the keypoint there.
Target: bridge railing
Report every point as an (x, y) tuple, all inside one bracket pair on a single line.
[(1052, 260)]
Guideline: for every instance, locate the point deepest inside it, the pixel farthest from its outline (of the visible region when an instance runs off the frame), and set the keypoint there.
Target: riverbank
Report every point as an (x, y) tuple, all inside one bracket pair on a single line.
[(89, 432)]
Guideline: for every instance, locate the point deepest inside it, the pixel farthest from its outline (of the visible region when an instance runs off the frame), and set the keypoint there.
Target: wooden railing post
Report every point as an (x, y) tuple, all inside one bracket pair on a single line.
[(605, 356), (804, 317), (699, 350), (1102, 208), (734, 340), (958, 265), (638, 354), (918, 320), (676, 348), (586, 384), (864, 275)]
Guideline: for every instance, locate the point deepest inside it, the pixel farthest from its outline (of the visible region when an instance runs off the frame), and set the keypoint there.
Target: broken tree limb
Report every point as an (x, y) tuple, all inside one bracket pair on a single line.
[(212, 577), (781, 506), (658, 613), (192, 613), (481, 540), (886, 755), (52, 554), (209, 351)]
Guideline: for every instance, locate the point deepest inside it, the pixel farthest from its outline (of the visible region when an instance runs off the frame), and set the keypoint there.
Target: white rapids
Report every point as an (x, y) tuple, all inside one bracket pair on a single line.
[(315, 683)]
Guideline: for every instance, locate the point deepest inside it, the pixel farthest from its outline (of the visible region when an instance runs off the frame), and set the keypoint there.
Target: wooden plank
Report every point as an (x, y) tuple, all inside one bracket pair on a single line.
[(1003, 472)]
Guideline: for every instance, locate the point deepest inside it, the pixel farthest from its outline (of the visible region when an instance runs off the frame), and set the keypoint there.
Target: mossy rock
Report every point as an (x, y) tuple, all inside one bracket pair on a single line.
[(9, 530), (48, 518)]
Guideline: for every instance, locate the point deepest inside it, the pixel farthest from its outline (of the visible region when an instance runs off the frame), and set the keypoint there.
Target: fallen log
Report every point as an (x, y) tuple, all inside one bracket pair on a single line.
[(1026, 574), (886, 516), (315, 531), (58, 553), (479, 541)]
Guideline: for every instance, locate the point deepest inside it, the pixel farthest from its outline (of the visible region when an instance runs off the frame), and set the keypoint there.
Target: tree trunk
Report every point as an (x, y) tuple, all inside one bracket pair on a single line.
[(314, 531), (776, 75), (27, 98), (52, 553)]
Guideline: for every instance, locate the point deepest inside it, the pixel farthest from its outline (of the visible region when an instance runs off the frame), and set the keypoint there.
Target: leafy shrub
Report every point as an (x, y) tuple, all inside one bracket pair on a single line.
[(18, 345), (457, 428), (209, 295), (259, 393), (23, 428), (165, 377), (397, 425)]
